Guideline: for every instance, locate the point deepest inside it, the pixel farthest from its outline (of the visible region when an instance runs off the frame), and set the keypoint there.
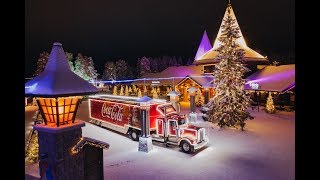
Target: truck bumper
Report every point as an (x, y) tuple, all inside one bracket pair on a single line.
[(200, 145)]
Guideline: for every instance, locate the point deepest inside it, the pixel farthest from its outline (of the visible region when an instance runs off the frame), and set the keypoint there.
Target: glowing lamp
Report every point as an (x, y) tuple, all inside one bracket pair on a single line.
[(174, 96), (58, 90), (144, 107), (206, 87), (192, 91), (144, 102), (60, 110)]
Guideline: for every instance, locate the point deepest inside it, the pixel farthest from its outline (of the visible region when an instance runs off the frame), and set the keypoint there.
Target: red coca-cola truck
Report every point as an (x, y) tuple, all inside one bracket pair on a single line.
[(122, 114)]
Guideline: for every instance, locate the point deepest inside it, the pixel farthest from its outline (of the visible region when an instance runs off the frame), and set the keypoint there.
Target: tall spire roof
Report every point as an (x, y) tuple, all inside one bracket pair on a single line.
[(204, 45), (250, 54), (57, 79)]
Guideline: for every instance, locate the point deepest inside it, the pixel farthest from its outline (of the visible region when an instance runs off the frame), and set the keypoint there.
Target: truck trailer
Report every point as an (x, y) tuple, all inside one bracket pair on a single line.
[(164, 123)]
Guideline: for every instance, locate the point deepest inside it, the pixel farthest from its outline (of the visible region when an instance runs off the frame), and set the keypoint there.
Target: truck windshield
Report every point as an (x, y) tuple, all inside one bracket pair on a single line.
[(181, 122), (169, 109)]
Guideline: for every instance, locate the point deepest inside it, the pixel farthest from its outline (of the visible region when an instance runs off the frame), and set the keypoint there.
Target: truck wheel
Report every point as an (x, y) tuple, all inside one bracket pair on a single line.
[(185, 147), (134, 135)]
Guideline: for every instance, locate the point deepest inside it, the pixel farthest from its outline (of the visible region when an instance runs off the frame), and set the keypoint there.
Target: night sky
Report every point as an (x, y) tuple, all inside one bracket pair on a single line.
[(114, 29)]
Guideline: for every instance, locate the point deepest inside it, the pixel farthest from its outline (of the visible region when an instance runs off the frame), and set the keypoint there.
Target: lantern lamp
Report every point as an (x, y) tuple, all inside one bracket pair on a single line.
[(58, 90), (192, 91)]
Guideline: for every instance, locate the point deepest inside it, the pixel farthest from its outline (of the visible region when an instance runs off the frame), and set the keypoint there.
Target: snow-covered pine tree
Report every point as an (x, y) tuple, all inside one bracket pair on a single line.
[(199, 99), (126, 91), (110, 71), (155, 94), (70, 60), (139, 93), (41, 63), (115, 90), (229, 105), (270, 105), (84, 67), (143, 66), (121, 91), (121, 69)]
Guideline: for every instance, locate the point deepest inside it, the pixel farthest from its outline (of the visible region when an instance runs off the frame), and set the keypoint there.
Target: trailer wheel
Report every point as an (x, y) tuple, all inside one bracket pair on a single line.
[(134, 135), (185, 146)]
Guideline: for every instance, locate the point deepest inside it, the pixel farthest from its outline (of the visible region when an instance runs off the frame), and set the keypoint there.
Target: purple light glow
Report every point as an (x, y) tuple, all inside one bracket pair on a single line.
[(204, 46), (273, 78)]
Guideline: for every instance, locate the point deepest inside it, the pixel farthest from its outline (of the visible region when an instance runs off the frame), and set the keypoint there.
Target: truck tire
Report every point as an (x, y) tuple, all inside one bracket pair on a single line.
[(185, 146), (134, 135)]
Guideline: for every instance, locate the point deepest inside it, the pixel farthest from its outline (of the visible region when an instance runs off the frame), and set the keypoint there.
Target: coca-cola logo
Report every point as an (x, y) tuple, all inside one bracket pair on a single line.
[(113, 111)]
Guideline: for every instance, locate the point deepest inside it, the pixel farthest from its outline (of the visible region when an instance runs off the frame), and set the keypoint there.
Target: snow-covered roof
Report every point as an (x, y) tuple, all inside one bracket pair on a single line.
[(273, 78), (178, 72), (250, 54), (201, 80), (204, 45), (57, 79)]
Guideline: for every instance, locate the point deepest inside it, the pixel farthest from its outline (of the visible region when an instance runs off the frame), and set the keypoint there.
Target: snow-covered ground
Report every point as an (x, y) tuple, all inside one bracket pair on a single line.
[(266, 150)]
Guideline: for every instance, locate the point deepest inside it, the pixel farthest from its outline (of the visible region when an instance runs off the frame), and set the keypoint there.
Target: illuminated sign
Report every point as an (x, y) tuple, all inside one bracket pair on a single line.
[(155, 82)]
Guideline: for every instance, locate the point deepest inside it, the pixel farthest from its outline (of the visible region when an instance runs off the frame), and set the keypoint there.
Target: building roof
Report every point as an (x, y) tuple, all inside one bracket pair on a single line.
[(273, 78), (250, 54), (201, 80), (57, 79), (204, 45), (166, 76)]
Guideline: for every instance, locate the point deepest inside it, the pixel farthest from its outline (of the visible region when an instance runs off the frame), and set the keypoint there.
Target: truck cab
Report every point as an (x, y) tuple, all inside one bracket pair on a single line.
[(173, 128)]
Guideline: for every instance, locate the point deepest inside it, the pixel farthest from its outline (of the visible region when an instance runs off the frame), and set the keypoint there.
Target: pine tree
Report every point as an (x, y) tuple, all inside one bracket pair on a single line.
[(270, 105), (143, 66), (84, 67), (70, 60), (41, 63), (121, 91), (121, 69), (229, 105), (199, 99), (115, 91), (110, 71), (134, 88), (126, 91), (154, 93), (139, 93)]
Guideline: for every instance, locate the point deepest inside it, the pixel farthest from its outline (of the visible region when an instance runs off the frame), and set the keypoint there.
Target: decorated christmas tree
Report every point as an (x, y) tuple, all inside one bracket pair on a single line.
[(130, 90), (33, 150), (270, 105), (199, 99), (139, 93), (115, 90), (121, 91), (154, 93), (126, 91), (229, 105), (145, 90), (134, 88)]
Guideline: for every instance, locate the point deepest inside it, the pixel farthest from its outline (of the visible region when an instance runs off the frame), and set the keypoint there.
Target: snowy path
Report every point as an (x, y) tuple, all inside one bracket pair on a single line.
[(265, 151)]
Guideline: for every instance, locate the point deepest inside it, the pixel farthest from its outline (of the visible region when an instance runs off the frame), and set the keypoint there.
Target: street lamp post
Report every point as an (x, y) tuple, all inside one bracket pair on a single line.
[(206, 93), (58, 92), (192, 92), (174, 98), (145, 141)]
